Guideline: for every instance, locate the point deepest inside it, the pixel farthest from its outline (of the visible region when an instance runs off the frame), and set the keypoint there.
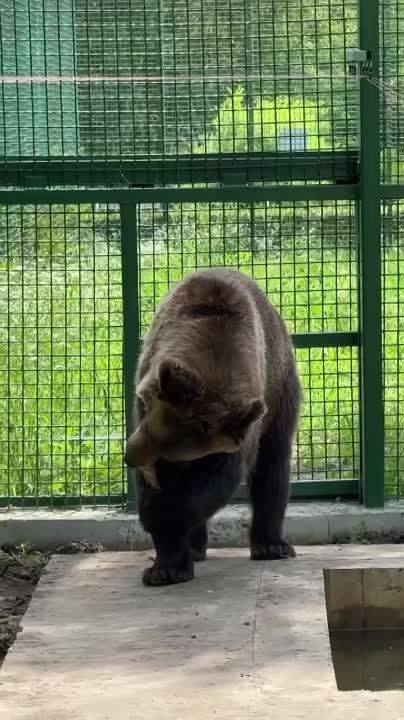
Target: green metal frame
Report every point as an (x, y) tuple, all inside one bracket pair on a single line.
[(131, 332), (370, 295), (236, 193), (231, 169), (140, 181)]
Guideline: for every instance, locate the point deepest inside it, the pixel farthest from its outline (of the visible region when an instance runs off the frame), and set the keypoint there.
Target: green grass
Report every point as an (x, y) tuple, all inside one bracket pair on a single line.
[(61, 393), (61, 407)]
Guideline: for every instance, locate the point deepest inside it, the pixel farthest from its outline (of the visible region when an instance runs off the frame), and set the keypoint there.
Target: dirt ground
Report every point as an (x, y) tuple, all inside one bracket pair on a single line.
[(20, 570)]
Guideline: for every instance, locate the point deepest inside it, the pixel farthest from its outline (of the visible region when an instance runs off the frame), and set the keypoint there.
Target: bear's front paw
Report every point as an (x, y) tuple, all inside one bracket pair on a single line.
[(161, 575), (272, 551)]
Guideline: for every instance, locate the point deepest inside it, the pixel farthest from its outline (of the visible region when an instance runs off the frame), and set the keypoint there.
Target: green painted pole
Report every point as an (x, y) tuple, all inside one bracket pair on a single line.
[(371, 391), (131, 330)]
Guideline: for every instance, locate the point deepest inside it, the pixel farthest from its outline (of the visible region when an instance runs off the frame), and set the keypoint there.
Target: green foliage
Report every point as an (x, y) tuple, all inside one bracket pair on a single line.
[(240, 128), (61, 407), (207, 41), (53, 231)]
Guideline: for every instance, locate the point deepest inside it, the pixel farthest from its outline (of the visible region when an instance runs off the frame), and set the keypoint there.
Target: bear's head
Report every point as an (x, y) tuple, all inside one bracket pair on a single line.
[(184, 420)]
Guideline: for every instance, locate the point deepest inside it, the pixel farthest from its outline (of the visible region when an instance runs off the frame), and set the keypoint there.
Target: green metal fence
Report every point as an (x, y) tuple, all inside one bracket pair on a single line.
[(139, 142)]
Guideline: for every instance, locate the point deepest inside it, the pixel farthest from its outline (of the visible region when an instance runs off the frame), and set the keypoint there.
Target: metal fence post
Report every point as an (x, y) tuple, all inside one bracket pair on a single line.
[(370, 298), (131, 329)]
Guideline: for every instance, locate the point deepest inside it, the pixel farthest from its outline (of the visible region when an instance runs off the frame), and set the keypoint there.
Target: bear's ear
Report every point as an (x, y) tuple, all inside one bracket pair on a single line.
[(242, 417), (178, 385), (253, 411), (147, 389)]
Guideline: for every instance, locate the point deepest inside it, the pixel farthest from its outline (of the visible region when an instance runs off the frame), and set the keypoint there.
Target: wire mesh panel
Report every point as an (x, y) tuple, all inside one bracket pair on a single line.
[(392, 104), (328, 437), (37, 118), (161, 79), (212, 75), (164, 94), (392, 90), (304, 255), (393, 311), (61, 399)]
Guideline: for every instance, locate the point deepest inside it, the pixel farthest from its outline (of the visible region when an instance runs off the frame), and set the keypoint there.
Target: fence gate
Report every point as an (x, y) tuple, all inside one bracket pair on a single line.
[(139, 142)]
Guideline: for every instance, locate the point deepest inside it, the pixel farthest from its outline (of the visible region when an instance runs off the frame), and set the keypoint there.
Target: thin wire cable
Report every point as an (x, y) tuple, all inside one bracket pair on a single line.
[(388, 91), (393, 95), (59, 79)]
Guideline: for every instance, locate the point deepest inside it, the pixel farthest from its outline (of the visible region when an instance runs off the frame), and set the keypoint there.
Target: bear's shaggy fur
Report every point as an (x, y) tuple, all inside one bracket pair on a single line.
[(217, 401)]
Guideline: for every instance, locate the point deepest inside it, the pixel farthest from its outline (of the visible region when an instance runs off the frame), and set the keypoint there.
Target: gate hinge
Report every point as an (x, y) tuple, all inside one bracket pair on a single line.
[(359, 62)]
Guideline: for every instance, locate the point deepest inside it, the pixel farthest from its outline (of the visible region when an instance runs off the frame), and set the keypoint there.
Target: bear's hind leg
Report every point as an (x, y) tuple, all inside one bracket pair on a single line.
[(269, 484), (199, 542), (269, 497)]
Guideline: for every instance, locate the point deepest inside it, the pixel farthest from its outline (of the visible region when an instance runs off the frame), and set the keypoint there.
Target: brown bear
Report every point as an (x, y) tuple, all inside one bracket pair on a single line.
[(217, 402)]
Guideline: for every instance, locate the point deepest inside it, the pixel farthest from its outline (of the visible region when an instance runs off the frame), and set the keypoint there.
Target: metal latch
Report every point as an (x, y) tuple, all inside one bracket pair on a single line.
[(359, 62)]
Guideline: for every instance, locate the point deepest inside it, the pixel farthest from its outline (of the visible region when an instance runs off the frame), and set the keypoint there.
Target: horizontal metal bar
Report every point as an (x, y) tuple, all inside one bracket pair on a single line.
[(302, 489), (392, 192), (326, 339), (270, 193), (60, 501), (229, 169), (299, 489)]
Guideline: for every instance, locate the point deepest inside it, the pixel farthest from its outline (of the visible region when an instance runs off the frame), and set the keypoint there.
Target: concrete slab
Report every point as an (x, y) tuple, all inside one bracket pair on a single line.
[(243, 640)]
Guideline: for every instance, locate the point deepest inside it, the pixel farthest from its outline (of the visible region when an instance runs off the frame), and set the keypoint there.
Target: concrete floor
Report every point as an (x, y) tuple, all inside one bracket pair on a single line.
[(243, 640)]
